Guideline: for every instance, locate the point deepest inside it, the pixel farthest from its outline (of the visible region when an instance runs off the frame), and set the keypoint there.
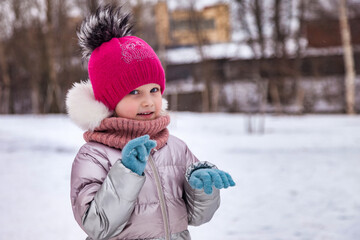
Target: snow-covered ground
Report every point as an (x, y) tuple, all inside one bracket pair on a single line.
[(298, 181)]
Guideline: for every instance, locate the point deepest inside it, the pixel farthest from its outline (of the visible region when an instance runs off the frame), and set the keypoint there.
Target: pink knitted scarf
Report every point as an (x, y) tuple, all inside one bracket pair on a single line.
[(117, 132)]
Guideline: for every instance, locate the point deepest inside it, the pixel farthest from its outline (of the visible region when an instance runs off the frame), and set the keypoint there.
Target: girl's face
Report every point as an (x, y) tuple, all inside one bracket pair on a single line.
[(143, 103)]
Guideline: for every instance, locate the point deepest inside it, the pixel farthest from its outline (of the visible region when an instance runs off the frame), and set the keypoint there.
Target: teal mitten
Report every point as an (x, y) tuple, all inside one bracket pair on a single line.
[(136, 153), (208, 177)]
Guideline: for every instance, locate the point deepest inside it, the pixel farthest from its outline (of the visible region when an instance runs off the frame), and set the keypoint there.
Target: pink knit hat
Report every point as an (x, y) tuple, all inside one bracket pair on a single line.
[(121, 65)]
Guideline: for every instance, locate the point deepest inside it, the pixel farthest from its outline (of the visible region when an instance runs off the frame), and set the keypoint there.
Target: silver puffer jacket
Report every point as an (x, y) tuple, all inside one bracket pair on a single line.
[(111, 202)]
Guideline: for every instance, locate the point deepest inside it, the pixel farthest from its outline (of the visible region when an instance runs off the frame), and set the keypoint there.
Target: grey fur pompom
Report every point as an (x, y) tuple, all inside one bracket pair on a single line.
[(108, 22)]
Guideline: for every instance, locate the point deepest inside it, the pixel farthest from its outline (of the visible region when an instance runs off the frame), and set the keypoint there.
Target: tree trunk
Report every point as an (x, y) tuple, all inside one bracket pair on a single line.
[(52, 102), (215, 96), (275, 96), (205, 97), (195, 26), (5, 89), (348, 58), (35, 93), (299, 91), (264, 85), (258, 14), (174, 101)]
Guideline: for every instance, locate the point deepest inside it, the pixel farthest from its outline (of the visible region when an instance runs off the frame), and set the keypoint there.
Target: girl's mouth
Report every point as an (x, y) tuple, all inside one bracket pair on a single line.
[(145, 114)]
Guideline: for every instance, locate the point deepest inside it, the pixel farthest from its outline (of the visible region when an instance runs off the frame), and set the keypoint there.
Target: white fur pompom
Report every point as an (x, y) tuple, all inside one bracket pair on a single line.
[(164, 104), (83, 109)]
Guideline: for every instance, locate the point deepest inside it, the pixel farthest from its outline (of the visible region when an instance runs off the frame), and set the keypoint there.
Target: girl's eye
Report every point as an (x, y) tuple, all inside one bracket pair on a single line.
[(134, 92), (154, 90)]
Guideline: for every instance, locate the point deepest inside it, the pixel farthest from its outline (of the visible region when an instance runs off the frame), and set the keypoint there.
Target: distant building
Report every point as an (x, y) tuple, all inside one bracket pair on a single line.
[(320, 77), (326, 33), (185, 27)]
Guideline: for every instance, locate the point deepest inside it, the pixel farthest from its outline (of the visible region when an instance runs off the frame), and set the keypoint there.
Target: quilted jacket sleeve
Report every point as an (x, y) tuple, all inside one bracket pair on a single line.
[(102, 197), (201, 206)]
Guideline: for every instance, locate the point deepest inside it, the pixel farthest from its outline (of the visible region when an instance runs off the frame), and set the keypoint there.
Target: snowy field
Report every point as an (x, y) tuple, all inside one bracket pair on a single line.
[(298, 181)]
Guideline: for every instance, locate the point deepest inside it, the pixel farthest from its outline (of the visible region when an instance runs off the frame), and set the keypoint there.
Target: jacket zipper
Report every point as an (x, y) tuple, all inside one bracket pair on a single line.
[(161, 198)]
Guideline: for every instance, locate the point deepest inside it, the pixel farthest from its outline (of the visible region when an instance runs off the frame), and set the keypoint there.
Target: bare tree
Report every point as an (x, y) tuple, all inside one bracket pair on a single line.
[(256, 39), (269, 27), (299, 92), (12, 35), (53, 91), (5, 83), (5, 86), (343, 10), (348, 57), (207, 70)]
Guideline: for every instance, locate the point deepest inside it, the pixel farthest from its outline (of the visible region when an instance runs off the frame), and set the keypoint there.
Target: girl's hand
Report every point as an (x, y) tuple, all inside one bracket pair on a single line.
[(208, 177), (136, 153)]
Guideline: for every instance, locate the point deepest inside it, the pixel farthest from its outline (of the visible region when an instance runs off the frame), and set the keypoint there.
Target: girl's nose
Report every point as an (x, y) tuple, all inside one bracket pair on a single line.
[(147, 102)]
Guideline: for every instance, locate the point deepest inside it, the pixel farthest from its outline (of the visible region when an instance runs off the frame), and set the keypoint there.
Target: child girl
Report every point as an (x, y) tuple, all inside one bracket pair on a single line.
[(132, 180)]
